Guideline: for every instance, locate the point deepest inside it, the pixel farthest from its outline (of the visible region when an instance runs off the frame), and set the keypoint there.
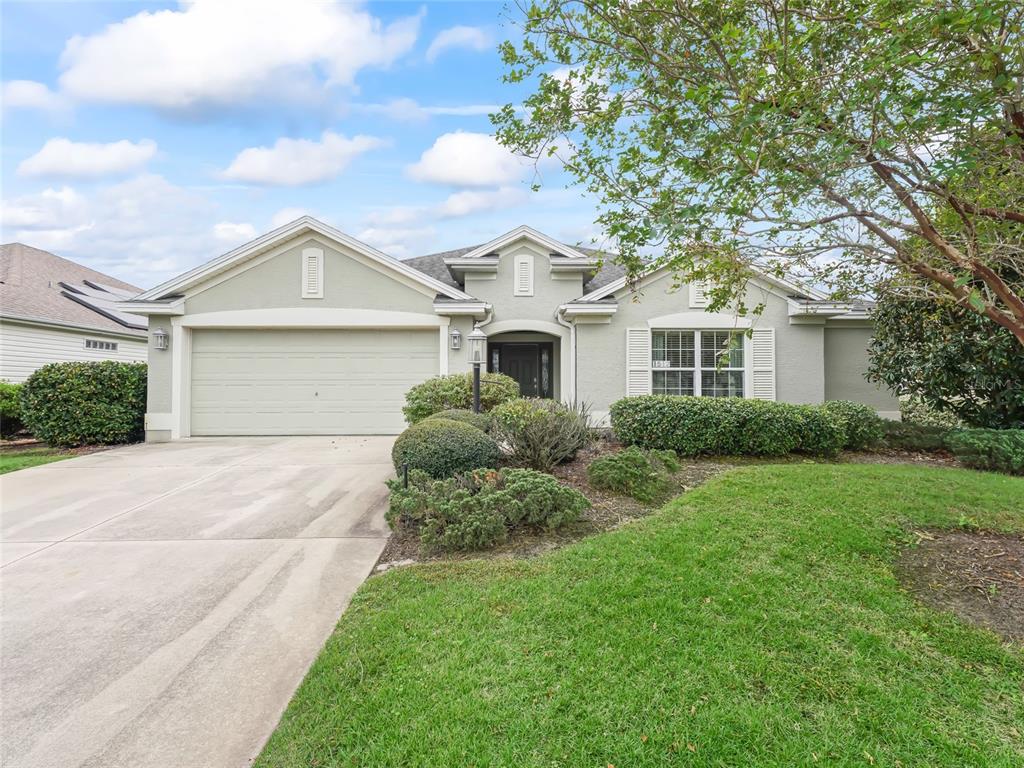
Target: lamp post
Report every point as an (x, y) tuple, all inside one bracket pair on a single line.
[(476, 339)]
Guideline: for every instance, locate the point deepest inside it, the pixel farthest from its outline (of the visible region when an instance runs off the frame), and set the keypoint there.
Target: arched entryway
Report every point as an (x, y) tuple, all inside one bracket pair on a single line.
[(533, 359)]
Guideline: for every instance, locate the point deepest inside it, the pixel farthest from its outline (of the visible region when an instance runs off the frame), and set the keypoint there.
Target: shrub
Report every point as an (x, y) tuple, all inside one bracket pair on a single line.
[(481, 421), (916, 411), (455, 391), (905, 436), (540, 433), (862, 425), (10, 409), (997, 450), (477, 509), (820, 432), (634, 472), (101, 403), (442, 447)]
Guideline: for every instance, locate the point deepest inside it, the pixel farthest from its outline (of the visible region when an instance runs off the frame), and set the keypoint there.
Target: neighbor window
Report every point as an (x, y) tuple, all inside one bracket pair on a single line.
[(106, 346), (706, 363)]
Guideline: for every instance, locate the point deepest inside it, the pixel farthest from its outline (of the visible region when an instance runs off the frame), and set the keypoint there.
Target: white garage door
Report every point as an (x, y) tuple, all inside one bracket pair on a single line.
[(306, 382)]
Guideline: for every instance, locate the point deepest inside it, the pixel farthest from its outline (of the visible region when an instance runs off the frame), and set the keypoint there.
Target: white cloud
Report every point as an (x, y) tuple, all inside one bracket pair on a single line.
[(396, 241), (63, 158), (464, 159), (225, 52), (473, 38), (471, 201), (293, 162), (234, 233), (28, 94), (409, 110)]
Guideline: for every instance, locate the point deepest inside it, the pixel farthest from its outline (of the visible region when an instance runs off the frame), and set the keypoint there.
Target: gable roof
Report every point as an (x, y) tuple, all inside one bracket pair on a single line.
[(523, 231), (41, 286), (302, 225)]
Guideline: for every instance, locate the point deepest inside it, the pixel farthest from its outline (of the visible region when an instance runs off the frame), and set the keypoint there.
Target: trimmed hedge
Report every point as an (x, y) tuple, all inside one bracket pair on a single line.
[(706, 426), (996, 450), (482, 421), (10, 409), (71, 404), (477, 509), (455, 391), (540, 433), (907, 436), (863, 426), (442, 447)]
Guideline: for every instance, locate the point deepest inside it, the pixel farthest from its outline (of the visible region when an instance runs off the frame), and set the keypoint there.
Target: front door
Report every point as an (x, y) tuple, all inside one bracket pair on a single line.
[(527, 363)]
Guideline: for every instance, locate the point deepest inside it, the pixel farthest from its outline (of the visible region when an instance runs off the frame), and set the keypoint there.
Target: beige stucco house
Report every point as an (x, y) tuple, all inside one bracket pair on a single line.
[(308, 331)]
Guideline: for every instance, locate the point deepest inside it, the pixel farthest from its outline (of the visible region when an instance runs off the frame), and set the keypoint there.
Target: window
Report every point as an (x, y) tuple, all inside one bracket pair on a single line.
[(106, 346), (678, 369)]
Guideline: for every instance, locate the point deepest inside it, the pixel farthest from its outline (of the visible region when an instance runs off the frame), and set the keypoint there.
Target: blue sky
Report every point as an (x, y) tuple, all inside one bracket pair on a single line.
[(143, 139)]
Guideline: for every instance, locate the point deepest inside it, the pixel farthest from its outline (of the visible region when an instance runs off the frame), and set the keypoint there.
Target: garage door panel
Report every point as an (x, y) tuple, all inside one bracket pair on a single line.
[(250, 382)]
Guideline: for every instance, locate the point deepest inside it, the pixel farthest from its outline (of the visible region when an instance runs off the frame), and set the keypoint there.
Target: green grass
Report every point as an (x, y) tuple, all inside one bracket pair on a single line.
[(30, 457), (754, 621)]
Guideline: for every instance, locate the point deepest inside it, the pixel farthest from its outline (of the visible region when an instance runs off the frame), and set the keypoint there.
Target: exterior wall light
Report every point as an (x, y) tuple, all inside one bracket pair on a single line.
[(456, 339), (160, 339)]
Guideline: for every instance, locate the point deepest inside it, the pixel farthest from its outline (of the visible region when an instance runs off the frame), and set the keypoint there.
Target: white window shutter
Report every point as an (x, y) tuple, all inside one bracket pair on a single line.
[(638, 361), (762, 364), (523, 276), (312, 273), (698, 293)]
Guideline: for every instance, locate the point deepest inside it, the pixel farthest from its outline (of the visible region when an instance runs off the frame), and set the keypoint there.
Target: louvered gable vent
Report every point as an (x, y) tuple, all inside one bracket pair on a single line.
[(523, 276), (312, 273)]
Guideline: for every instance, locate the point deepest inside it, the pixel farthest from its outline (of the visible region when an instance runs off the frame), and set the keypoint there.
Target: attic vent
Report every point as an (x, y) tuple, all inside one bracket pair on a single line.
[(106, 346), (523, 275), (312, 273), (699, 293)]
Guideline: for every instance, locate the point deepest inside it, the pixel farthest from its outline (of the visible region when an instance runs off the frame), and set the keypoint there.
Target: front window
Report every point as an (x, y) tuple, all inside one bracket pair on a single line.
[(677, 368)]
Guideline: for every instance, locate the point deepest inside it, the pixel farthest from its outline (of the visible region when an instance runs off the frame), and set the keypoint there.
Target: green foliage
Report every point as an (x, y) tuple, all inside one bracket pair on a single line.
[(915, 411), (907, 436), (635, 472), (71, 404), (477, 509), (10, 409), (442, 447), (862, 425), (540, 433), (996, 450), (949, 358), (481, 421), (695, 426), (765, 131), (455, 392)]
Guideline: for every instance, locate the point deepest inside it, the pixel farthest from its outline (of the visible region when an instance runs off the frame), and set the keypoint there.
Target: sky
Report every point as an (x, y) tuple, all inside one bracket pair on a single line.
[(143, 139)]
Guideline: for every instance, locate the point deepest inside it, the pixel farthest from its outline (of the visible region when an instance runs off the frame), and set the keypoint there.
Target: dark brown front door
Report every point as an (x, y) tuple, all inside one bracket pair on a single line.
[(527, 363)]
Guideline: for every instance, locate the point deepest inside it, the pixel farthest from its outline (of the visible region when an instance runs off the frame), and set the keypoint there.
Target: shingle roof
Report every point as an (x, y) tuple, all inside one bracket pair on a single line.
[(39, 285)]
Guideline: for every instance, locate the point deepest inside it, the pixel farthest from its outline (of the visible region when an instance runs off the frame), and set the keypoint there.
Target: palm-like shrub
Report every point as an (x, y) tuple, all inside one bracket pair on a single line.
[(540, 433)]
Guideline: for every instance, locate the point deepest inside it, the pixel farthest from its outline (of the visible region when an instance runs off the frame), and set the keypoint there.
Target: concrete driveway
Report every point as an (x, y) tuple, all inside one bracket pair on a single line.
[(160, 603)]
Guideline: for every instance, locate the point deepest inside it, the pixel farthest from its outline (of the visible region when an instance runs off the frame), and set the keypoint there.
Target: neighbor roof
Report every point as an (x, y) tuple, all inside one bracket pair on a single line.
[(41, 286)]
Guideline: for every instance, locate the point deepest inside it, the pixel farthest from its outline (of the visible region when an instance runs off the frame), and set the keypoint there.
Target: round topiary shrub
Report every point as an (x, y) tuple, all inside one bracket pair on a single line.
[(864, 428), (10, 409), (455, 391), (481, 421), (442, 447), (71, 404)]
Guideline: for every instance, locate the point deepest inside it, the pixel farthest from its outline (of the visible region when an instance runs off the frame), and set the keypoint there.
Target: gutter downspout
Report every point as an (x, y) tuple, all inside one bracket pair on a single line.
[(571, 325)]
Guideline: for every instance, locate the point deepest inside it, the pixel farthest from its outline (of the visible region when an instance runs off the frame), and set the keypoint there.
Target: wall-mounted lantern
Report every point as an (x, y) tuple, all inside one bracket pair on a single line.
[(456, 339), (160, 338)]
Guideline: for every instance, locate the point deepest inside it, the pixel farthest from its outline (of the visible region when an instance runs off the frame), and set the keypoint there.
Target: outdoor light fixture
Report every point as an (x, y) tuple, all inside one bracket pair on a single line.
[(477, 340), (160, 338), (456, 338)]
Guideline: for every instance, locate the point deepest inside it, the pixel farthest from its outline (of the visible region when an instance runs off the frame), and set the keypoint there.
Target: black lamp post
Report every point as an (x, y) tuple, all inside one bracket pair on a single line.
[(477, 341)]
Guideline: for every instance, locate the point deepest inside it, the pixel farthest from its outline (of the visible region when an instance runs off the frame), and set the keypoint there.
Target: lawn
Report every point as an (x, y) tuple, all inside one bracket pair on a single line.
[(30, 457), (753, 621)]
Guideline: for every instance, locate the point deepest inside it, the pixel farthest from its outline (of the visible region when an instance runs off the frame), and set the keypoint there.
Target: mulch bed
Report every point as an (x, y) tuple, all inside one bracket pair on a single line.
[(31, 444), (977, 575)]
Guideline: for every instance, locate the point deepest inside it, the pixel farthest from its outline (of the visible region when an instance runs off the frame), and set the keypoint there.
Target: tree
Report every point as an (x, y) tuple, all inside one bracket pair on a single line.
[(950, 357), (848, 141)]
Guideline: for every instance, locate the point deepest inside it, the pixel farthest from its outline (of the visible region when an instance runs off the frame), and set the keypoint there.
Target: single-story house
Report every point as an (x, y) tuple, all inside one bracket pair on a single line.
[(54, 310), (306, 330)]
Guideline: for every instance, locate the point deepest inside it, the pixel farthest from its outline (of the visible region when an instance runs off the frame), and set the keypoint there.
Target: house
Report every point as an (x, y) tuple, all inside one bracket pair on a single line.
[(308, 331), (53, 310)]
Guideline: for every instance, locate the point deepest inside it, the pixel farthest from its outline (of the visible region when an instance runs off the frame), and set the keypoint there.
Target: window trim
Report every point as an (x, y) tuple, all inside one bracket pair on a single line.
[(698, 368)]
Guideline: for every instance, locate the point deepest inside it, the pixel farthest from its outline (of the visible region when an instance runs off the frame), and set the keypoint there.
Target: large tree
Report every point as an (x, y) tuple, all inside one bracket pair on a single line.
[(845, 140)]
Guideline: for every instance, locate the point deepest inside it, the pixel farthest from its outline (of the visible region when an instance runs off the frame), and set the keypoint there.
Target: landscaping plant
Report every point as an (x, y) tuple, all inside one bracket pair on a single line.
[(863, 427), (477, 509), (996, 450), (455, 391), (540, 433), (98, 403), (10, 409), (908, 436), (442, 447), (642, 474), (481, 421)]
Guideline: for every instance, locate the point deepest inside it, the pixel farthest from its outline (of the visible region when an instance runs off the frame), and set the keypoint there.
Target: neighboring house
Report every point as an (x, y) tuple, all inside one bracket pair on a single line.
[(308, 331), (53, 310)]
